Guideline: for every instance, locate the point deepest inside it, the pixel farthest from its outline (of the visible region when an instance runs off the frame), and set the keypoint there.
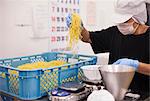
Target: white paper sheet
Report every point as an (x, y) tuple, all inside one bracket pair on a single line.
[(41, 20)]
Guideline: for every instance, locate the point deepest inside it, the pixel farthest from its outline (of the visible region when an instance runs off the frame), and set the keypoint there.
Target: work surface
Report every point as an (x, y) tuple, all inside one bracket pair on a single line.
[(5, 97)]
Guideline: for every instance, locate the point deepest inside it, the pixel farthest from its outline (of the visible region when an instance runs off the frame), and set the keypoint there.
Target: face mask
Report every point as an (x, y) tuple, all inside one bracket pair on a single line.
[(127, 28)]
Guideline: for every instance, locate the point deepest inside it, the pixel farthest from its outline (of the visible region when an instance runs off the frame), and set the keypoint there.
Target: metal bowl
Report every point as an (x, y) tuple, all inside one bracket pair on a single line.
[(117, 79)]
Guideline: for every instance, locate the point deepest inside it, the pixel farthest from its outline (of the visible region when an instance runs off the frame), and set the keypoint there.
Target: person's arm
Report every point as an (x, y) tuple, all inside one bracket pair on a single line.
[(100, 41), (85, 36), (140, 67), (144, 68)]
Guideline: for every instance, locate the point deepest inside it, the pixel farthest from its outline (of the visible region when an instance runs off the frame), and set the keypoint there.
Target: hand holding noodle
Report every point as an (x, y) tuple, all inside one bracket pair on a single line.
[(76, 30), (75, 27)]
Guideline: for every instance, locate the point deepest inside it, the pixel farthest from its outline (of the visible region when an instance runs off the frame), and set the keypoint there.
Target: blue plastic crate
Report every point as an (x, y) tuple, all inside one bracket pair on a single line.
[(33, 84)]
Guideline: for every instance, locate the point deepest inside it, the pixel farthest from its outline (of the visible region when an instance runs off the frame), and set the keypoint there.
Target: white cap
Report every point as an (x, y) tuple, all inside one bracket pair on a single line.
[(125, 9)]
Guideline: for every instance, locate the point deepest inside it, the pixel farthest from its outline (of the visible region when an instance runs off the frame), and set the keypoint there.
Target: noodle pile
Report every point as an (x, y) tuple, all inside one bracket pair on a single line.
[(41, 64), (38, 65)]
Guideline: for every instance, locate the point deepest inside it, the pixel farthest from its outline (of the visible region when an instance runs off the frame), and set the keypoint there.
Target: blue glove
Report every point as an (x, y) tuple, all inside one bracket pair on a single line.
[(129, 62), (68, 20)]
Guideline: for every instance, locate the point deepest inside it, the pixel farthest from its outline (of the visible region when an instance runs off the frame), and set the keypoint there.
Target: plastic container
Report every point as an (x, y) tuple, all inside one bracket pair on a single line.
[(33, 84), (91, 72)]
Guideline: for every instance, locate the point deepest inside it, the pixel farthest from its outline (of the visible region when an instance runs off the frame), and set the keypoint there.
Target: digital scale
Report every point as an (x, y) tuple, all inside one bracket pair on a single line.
[(73, 91)]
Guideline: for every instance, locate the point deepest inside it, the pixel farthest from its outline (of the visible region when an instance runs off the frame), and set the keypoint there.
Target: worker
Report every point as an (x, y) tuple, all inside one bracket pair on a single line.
[(128, 39), (138, 66)]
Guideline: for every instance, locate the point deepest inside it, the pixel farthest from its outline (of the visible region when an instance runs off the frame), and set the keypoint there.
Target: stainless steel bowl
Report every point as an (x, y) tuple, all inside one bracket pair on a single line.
[(117, 79)]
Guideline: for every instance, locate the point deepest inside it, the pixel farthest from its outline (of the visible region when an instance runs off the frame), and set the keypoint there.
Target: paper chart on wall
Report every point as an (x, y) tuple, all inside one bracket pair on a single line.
[(91, 13), (41, 20), (59, 34)]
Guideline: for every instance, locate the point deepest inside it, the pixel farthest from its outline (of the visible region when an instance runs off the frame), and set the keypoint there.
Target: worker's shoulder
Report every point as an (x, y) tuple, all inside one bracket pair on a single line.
[(112, 28), (110, 32)]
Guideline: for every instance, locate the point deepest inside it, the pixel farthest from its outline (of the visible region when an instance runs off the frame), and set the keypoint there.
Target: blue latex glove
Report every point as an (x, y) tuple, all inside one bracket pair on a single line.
[(129, 62), (68, 20)]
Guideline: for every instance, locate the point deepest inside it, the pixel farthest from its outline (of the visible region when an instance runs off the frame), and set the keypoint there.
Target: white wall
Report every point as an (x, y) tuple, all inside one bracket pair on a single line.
[(104, 14), (14, 39), (105, 17), (18, 41)]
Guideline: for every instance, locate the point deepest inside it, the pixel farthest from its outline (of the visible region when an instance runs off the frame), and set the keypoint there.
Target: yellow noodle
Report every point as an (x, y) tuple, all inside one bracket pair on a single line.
[(41, 64), (74, 30)]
